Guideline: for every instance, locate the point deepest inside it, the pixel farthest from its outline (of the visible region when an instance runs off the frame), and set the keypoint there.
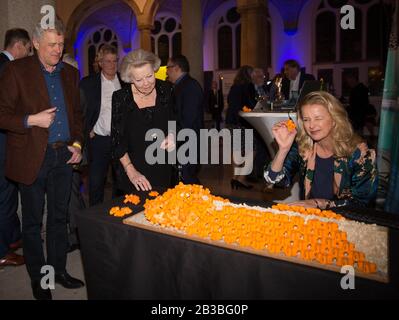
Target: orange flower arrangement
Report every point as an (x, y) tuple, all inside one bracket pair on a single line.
[(246, 109), (192, 209), (131, 198), (153, 194), (308, 211), (290, 125), (120, 212)]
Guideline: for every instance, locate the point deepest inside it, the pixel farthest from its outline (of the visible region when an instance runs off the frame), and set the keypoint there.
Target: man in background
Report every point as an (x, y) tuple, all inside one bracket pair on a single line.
[(216, 104), (257, 91), (189, 99), (17, 45), (96, 99), (294, 79), (359, 109)]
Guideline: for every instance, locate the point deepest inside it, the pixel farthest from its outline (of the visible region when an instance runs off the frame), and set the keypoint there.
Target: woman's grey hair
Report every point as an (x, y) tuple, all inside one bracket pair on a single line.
[(39, 30), (135, 59)]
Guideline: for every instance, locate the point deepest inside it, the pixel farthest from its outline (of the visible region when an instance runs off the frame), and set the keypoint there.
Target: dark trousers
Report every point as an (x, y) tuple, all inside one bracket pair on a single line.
[(217, 117), (262, 157), (189, 173), (10, 229), (100, 159), (76, 203), (54, 179)]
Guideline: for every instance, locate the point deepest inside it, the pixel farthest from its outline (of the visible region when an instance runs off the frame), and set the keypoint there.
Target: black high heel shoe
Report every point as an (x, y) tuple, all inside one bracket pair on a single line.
[(235, 184)]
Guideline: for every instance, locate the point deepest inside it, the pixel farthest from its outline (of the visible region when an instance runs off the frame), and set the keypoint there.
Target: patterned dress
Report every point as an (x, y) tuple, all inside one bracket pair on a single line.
[(355, 177)]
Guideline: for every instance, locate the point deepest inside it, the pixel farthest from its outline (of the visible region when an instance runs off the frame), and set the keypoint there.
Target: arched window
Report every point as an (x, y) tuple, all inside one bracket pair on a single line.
[(225, 46), (351, 40), (378, 29), (166, 37), (325, 35), (238, 45), (98, 38), (361, 51), (229, 40)]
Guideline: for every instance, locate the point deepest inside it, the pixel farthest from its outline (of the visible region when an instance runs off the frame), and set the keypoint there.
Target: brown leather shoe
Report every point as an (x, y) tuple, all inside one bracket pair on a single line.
[(12, 259), (16, 245)]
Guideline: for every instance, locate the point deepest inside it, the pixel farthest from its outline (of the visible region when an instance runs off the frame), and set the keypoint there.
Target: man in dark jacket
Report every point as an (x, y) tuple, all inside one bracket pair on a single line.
[(96, 99), (358, 109), (216, 104), (17, 45), (294, 79), (189, 101)]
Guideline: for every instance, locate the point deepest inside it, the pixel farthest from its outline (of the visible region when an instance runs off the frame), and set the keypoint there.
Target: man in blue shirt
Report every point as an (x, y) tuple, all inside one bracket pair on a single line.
[(39, 109)]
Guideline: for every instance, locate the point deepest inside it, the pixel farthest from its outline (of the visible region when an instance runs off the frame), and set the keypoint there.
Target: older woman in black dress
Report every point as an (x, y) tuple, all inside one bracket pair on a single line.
[(144, 105)]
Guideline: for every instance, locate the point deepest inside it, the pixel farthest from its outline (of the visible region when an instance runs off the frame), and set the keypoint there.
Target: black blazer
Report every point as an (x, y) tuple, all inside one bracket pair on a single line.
[(90, 100), (189, 103), (3, 60), (286, 83), (237, 98)]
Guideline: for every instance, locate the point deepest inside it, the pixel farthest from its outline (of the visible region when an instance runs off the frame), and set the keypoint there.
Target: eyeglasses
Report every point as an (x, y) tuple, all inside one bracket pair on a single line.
[(168, 67)]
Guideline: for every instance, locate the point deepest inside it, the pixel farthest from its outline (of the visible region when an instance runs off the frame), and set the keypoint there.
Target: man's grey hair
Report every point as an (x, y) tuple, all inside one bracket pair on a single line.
[(136, 59), (38, 31)]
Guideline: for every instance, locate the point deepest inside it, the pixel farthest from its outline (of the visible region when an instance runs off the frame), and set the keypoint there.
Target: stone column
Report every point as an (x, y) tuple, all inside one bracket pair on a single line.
[(144, 11), (253, 32), (20, 14), (145, 36), (192, 40)]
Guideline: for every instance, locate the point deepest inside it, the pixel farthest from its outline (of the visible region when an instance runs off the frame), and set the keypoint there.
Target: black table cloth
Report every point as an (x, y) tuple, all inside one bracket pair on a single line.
[(125, 262)]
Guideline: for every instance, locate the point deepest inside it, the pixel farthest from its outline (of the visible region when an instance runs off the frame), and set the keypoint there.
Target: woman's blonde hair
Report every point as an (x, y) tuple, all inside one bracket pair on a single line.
[(136, 59), (345, 140)]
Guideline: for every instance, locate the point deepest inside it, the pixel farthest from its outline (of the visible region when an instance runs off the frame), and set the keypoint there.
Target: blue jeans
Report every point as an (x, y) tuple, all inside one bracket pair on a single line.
[(55, 180), (10, 229)]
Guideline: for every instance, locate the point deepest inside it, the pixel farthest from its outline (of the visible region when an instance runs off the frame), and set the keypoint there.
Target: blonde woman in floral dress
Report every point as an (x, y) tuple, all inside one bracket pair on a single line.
[(336, 167)]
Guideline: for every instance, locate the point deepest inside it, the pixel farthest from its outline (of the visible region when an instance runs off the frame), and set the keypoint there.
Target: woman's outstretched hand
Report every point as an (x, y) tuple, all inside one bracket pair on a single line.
[(284, 137), (139, 181)]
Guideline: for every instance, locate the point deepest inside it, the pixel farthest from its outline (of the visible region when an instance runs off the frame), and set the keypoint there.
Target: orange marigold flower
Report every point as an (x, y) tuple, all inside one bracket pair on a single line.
[(132, 199), (195, 211), (246, 109), (290, 125), (120, 212)]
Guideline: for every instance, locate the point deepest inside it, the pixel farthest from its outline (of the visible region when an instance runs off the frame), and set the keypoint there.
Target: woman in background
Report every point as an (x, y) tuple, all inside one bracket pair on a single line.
[(237, 98)]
